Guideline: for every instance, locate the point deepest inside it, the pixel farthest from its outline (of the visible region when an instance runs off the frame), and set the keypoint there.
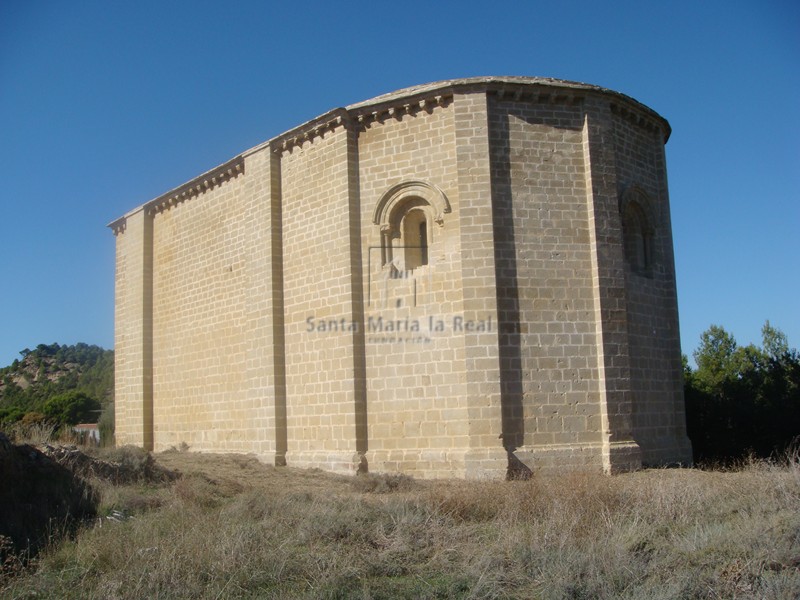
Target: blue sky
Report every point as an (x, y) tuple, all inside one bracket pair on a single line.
[(105, 105)]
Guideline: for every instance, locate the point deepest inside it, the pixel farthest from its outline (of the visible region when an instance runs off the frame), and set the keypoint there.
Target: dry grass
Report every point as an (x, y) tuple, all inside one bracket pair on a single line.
[(35, 433), (234, 528)]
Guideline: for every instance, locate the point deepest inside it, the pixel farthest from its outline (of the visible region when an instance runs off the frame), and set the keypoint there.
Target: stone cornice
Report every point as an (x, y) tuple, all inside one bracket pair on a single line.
[(307, 132), (207, 181), (118, 225), (428, 97), (538, 94), (645, 120), (410, 101), (366, 115), (527, 89)]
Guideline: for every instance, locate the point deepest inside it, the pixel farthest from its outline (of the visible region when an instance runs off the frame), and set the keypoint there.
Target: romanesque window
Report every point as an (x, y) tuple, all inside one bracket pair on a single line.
[(638, 231), (406, 215)]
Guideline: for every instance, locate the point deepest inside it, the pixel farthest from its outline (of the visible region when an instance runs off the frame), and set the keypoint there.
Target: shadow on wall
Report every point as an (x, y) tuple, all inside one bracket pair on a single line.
[(507, 283)]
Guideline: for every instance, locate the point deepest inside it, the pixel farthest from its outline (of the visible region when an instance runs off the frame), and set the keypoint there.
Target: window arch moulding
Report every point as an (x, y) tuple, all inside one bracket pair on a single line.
[(399, 193), (405, 214)]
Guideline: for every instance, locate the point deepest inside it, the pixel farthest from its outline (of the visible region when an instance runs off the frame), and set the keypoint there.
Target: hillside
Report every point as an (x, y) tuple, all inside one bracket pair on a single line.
[(50, 370)]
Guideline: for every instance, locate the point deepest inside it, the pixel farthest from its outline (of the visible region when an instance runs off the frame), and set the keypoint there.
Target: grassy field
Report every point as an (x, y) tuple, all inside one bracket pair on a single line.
[(231, 527)]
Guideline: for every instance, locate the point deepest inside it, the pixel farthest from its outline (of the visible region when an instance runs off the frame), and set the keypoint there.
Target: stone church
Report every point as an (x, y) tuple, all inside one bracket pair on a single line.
[(468, 278)]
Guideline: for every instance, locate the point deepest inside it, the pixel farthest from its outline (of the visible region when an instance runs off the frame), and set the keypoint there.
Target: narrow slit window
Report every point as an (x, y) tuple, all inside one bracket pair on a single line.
[(423, 242), (415, 239), (637, 239)]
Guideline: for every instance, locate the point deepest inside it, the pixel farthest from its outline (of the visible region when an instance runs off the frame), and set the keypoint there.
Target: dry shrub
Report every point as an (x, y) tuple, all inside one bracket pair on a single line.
[(122, 465), (232, 530), (37, 430), (383, 483), (129, 499), (203, 491), (33, 429), (468, 502)]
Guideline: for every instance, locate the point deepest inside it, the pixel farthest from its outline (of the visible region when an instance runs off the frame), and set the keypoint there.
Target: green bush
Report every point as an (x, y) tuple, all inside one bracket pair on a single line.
[(742, 400), (72, 408), (11, 415)]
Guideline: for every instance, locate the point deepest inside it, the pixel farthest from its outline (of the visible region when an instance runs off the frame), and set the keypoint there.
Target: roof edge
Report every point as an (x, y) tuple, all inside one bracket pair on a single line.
[(402, 97), (191, 188)]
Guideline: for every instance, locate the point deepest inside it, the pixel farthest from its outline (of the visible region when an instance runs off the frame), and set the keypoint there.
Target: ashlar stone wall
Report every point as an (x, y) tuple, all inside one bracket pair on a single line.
[(470, 278)]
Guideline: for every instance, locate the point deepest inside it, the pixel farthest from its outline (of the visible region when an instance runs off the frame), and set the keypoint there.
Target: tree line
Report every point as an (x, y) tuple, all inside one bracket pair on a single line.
[(742, 400)]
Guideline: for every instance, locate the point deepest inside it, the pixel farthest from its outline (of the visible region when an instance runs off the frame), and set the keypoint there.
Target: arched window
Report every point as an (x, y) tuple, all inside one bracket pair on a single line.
[(638, 231), (405, 214)]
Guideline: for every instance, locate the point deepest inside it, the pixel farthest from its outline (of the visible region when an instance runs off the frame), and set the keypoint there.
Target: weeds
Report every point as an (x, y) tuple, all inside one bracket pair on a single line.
[(382, 483), (232, 527), (33, 433)]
